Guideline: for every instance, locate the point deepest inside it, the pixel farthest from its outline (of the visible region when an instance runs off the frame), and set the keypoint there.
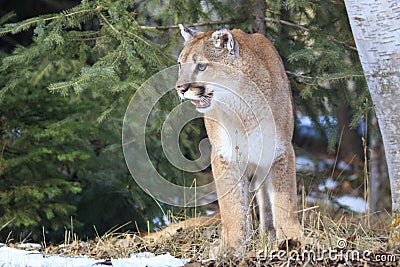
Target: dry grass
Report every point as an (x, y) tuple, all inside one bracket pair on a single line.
[(322, 231)]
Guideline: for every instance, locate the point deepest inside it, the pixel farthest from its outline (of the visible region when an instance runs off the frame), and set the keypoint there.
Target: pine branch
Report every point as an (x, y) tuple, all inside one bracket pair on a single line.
[(28, 23), (134, 37), (10, 84), (87, 74), (7, 17), (107, 22)]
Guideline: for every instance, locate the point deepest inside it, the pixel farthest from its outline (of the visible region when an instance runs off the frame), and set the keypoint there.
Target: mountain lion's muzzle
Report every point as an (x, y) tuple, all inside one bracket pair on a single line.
[(196, 92)]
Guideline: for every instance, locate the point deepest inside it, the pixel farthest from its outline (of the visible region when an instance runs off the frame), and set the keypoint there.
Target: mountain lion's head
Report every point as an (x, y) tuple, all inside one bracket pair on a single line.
[(203, 60)]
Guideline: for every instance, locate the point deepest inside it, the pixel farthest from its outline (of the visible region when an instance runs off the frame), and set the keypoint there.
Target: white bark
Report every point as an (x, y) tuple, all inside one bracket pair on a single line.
[(376, 29)]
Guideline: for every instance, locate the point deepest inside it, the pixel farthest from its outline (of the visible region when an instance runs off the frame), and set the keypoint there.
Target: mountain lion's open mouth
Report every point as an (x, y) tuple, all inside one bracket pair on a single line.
[(203, 102)]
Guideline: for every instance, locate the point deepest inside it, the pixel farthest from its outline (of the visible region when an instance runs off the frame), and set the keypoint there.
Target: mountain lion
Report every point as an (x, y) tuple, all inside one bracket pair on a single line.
[(249, 122)]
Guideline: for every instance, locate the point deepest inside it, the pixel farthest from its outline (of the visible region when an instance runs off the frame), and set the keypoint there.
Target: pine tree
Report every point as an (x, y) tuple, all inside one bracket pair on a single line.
[(61, 119)]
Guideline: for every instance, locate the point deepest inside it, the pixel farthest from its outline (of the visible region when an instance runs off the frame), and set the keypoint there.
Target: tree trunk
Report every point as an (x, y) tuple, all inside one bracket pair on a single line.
[(375, 26), (350, 148), (257, 11), (378, 176)]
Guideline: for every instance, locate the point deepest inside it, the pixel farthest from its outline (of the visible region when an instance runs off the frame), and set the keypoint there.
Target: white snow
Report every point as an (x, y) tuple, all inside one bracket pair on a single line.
[(325, 164), (356, 204), (328, 184), (344, 166), (304, 164), (148, 259), (311, 199), (11, 257), (352, 177)]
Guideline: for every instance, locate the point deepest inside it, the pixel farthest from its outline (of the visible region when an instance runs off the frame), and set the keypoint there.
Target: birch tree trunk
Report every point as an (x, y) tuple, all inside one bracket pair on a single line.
[(376, 29)]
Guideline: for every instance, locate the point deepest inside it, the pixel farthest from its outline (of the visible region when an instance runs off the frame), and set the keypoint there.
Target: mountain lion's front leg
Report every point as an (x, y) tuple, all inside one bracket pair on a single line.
[(283, 195), (234, 204)]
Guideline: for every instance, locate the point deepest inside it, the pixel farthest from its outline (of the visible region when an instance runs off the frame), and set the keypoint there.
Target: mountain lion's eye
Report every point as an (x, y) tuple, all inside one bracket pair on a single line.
[(202, 66)]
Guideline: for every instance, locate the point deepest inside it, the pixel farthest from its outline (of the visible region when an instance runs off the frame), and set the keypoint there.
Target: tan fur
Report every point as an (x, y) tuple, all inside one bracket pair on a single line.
[(213, 219), (256, 57)]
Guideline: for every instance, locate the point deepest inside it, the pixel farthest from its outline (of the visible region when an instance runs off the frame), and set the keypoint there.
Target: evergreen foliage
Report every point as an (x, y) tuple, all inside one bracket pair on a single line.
[(55, 147)]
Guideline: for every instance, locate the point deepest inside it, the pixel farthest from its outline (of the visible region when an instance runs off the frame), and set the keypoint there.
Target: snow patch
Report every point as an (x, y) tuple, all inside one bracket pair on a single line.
[(311, 199), (148, 259), (11, 257), (328, 184), (325, 164), (356, 204), (344, 166), (304, 164), (352, 177)]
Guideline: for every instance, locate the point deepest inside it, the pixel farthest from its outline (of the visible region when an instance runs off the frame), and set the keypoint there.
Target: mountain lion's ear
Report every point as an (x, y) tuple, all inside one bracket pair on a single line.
[(224, 39), (187, 33)]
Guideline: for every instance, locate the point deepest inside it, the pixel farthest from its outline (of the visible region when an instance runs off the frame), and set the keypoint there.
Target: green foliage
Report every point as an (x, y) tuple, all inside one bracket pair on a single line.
[(61, 156)]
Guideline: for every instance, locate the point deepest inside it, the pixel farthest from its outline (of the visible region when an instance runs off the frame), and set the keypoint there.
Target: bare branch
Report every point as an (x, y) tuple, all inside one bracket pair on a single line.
[(188, 25), (267, 20), (323, 78), (298, 26), (299, 75), (284, 22), (346, 44)]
